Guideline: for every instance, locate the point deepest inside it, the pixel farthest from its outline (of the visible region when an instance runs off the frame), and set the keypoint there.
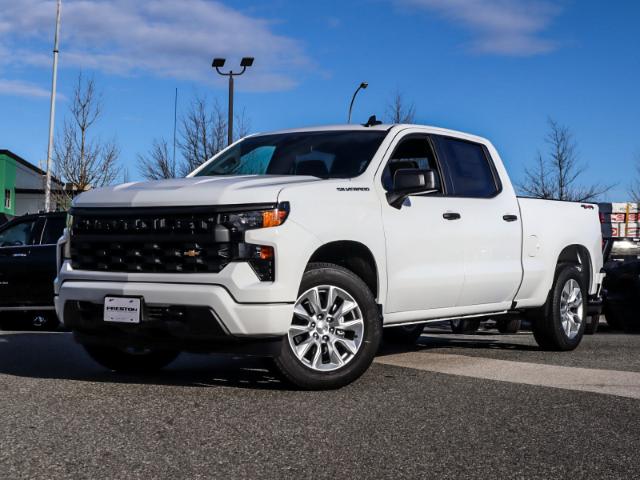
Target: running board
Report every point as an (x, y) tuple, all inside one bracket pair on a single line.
[(442, 319)]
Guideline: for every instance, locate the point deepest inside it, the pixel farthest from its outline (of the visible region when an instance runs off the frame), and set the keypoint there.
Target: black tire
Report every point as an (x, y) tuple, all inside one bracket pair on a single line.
[(508, 326), (613, 317), (403, 335), (44, 321), (122, 361), (593, 321), (465, 326), (547, 324), (304, 377)]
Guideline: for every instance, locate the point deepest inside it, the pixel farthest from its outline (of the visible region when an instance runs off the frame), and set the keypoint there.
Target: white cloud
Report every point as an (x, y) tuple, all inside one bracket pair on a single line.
[(166, 38), (22, 89), (502, 27)]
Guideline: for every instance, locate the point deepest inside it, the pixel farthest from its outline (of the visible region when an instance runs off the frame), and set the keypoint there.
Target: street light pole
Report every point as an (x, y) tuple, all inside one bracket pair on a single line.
[(52, 111), (218, 63), (362, 86)]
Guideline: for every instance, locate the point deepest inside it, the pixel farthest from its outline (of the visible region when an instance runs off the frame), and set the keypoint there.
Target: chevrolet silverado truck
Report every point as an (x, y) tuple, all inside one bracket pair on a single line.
[(307, 245)]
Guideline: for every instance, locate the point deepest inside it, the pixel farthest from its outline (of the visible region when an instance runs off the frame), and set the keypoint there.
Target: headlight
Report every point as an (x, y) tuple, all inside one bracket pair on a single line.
[(251, 219)]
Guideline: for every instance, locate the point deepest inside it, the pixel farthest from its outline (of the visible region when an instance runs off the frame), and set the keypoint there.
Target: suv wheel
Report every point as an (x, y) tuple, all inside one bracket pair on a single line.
[(131, 360), (560, 324), (335, 331)]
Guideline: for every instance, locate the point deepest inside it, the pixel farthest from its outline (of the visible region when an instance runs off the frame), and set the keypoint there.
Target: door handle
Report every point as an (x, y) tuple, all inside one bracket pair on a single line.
[(19, 255), (510, 218), (451, 216)]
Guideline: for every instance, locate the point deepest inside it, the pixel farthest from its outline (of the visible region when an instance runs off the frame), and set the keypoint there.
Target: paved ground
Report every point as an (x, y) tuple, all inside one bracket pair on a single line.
[(214, 417)]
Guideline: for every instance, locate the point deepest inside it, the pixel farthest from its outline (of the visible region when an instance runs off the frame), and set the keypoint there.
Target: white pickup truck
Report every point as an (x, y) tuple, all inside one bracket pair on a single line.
[(307, 244)]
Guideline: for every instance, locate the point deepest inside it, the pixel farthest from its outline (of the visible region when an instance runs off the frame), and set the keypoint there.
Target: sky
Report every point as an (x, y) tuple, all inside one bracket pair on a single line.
[(495, 68)]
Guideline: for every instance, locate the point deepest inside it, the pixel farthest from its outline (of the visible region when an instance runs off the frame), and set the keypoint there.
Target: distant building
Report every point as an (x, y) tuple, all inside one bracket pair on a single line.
[(22, 186)]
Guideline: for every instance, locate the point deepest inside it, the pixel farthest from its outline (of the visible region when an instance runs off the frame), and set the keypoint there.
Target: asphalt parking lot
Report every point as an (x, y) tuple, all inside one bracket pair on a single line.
[(481, 406)]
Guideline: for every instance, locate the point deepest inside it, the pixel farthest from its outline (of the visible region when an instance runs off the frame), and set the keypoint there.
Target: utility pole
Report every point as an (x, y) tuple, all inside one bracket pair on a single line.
[(218, 63), (52, 111)]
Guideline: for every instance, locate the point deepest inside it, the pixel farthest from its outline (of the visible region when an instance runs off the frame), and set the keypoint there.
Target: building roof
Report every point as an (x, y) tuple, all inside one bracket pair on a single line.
[(30, 166)]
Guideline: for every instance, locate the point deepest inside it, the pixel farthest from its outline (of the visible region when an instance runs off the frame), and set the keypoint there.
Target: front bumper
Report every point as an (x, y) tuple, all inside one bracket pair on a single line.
[(182, 316)]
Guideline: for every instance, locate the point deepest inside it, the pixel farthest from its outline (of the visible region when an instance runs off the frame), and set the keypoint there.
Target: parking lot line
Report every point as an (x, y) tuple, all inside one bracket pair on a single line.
[(610, 382)]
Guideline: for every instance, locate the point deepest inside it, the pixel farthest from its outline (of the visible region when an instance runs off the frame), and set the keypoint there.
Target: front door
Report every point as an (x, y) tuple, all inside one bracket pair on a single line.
[(425, 263)]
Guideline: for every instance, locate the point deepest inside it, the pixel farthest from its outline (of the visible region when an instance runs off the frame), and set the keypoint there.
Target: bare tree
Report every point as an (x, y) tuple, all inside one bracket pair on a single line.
[(634, 188), (399, 111), (158, 164), (558, 176), (203, 133), (82, 160)]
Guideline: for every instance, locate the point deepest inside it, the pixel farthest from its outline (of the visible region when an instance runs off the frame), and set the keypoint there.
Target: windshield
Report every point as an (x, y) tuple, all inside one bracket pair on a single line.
[(337, 154)]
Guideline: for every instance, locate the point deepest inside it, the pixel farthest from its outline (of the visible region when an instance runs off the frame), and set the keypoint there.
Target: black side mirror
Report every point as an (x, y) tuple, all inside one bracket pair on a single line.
[(408, 181)]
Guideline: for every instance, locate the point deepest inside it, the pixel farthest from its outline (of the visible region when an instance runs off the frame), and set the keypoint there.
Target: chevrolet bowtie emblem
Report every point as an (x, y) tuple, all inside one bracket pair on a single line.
[(192, 253)]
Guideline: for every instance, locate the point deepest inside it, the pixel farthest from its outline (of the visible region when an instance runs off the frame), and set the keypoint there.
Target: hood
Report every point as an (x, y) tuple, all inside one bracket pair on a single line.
[(193, 191)]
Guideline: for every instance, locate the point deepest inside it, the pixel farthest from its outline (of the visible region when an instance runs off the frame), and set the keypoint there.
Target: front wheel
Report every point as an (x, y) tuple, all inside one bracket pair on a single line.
[(131, 360), (335, 331), (561, 322)]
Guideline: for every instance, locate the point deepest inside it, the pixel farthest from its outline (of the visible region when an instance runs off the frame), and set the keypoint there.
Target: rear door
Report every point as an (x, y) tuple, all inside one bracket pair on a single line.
[(492, 226), (43, 258), (16, 275)]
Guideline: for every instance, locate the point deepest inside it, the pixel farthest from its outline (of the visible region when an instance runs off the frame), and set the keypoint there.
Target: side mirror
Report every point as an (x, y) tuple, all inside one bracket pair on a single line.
[(408, 181)]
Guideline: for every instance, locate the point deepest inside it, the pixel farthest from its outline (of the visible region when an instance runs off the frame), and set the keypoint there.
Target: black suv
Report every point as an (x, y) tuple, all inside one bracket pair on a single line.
[(28, 267)]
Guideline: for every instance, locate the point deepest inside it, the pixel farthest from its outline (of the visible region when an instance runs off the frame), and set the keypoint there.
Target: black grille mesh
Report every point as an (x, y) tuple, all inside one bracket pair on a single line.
[(148, 243)]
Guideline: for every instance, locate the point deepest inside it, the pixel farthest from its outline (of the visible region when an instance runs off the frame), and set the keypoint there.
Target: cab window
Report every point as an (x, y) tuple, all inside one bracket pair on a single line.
[(18, 234), (412, 152), (468, 167)]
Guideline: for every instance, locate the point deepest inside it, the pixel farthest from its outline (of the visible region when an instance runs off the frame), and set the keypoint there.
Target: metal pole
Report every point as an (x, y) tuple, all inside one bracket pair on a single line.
[(175, 125), (230, 121), (52, 111)]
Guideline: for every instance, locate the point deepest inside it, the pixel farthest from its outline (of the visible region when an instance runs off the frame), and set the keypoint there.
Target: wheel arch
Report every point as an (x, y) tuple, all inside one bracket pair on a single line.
[(578, 255), (354, 256)]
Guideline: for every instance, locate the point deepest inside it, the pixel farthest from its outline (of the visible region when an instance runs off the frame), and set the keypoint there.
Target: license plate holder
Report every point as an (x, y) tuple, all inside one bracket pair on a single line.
[(122, 309)]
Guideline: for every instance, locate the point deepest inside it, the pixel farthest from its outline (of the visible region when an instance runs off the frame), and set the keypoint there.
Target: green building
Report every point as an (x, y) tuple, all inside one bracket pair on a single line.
[(21, 186)]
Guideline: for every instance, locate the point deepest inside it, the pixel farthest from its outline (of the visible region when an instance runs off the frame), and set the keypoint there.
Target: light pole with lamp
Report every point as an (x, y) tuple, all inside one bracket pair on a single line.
[(362, 86), (218, 63)]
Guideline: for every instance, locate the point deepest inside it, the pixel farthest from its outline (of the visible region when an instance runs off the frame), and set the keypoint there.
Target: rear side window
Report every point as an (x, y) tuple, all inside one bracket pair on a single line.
[(469, 169), (53, 230)]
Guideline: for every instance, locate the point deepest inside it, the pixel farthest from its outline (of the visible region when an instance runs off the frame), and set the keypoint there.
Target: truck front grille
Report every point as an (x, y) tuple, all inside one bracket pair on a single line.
[(149, 240)]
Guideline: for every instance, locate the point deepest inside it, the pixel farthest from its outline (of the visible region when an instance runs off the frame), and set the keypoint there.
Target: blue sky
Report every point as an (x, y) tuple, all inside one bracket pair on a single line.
[(497, 68)]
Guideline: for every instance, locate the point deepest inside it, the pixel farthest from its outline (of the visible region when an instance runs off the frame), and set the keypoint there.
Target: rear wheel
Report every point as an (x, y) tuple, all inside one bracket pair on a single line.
[(508, 326), (466, 326), (560, 324), (403, 335), (131, 360), (335, 331)]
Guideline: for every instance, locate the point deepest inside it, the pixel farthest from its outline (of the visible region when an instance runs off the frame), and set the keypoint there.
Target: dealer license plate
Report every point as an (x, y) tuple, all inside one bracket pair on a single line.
[(122, 309)]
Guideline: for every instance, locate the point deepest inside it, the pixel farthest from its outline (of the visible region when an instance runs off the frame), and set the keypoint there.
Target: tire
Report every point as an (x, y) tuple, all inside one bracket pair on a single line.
[(404, 335), (328, 356), (44, 321), (465, 326), (593, 321), (122, 361), (613, 317), (509, 326), (558, 328)]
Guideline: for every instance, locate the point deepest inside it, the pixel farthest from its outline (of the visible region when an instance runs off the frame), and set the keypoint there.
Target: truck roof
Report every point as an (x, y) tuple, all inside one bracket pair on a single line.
[(381, 127)]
